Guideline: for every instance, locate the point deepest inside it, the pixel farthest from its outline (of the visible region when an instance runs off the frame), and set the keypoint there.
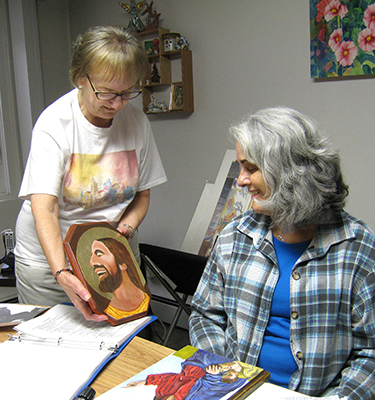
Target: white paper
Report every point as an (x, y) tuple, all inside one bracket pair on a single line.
[(12, 314), (43, 372), (67, 324), (274, 392)]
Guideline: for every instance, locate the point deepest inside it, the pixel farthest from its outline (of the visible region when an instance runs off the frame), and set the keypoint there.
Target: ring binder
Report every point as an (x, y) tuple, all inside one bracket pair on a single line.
[(61, 338), (62, 342)]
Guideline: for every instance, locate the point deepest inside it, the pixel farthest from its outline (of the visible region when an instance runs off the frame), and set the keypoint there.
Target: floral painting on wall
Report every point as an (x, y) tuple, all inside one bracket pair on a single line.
[(342, 37)]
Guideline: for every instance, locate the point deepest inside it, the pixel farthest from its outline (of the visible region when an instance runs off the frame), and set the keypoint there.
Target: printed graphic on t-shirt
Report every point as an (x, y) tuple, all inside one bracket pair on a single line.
[(100, 180)]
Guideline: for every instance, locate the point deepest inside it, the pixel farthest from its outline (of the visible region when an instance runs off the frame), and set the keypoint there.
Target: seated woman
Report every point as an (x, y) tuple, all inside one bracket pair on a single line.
[(290, 284)]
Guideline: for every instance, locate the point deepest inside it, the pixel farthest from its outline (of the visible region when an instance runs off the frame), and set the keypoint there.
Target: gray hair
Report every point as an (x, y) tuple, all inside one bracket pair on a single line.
[(300, 168), (113, 51)]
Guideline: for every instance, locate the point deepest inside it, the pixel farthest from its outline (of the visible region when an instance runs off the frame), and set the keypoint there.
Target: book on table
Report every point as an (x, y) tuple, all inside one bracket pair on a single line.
[(191, 374), (57, 354)]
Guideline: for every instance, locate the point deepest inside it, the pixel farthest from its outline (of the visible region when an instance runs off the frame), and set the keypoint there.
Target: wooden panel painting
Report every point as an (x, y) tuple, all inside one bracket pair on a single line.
[(342, 38), (104, 262)]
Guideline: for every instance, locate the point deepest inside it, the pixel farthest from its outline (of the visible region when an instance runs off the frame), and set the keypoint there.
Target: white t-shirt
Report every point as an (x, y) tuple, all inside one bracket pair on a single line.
[(94, 172)]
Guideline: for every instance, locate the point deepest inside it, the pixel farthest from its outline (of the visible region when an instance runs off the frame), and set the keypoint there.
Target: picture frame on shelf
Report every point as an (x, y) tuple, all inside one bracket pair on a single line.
[(177, 96), (149, 47)]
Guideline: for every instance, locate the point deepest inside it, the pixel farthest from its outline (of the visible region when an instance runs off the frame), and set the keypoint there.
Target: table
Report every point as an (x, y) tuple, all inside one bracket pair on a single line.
[(138, 355), (8, 294)]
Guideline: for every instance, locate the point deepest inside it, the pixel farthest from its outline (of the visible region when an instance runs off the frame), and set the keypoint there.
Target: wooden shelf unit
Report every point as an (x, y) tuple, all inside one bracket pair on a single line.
[(163, 62)]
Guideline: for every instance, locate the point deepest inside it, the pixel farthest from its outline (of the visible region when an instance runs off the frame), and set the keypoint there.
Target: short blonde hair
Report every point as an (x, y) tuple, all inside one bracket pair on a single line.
[(114, 51)]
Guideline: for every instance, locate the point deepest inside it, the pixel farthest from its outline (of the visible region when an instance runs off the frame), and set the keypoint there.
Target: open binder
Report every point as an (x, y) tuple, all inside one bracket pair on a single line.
[(59, 353)]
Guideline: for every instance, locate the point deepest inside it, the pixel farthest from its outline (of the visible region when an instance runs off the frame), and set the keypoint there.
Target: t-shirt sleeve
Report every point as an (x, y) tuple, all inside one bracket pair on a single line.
[(46, 162), (151, 170)]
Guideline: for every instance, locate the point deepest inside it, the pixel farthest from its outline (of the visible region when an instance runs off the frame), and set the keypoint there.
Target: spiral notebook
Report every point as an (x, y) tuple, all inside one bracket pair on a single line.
[(59, 353)]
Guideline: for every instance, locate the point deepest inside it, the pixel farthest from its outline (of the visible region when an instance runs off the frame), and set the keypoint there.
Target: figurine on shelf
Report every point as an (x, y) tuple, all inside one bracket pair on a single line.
[(182, 43), (170, 41), (156, 42), (152, 20), (155, 76), (156, 106), (152, 46), (133, 8)]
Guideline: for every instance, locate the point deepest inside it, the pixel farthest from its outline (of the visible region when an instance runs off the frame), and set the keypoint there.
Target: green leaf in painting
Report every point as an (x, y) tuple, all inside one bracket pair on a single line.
[(366, 69)]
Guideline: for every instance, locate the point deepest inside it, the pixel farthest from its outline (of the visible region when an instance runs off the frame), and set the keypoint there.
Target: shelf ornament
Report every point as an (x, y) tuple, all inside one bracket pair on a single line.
[(155, 76), (152, 19), (133, 8), (156, 106)]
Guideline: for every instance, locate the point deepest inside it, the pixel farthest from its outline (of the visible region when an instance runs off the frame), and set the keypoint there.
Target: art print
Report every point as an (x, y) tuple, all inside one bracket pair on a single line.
[(342, 38), (191, 374), (232, 202)]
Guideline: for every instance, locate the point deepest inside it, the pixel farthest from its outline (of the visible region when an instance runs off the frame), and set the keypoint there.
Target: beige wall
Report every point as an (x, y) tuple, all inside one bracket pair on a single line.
[(55, 47), (247, 55)]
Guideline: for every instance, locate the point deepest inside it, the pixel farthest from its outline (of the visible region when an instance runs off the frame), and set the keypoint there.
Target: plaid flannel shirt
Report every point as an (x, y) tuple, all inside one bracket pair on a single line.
[(332, 333)]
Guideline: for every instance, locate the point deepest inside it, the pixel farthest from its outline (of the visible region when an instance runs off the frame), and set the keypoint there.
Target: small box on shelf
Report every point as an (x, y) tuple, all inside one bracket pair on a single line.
[(177, 97)]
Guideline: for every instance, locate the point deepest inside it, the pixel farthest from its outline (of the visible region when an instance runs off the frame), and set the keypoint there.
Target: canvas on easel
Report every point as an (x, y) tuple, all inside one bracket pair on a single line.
[(220, 202), (233, 201), (103, 261)]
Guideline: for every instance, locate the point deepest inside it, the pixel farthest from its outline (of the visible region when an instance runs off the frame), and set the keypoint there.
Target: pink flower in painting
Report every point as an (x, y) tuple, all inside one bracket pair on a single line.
[(346, 53), (366, 39), (334, 9), (321, 6), (335, 39), (369, 16)]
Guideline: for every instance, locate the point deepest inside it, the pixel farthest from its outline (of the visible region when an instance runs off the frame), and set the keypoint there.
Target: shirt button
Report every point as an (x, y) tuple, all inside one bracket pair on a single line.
[(296, 276), (300, 355), (294, 314)]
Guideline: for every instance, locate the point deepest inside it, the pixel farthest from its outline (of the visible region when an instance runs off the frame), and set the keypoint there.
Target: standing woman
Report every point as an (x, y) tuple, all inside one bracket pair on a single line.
[(93, 158), (290, 284)]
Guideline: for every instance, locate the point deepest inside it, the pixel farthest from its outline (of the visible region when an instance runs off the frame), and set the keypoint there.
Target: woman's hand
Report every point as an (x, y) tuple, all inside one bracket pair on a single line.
[(45, 209), (134, 214), (79, 295), (127, 230)]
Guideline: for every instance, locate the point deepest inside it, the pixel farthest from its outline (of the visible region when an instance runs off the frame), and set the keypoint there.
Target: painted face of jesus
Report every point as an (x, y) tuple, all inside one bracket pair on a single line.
[(106, 267)]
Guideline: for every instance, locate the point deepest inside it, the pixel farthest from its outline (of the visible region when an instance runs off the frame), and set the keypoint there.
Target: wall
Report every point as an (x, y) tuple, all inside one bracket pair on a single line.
[(246, 56), (10, 152), (22, 70), (55, 45)]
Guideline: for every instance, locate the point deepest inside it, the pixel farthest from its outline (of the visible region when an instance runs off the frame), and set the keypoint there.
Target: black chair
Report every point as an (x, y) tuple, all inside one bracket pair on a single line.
[(181, 268)]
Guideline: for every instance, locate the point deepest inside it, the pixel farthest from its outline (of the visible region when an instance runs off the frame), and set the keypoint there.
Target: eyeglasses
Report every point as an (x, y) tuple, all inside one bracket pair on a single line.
[(106, 96)]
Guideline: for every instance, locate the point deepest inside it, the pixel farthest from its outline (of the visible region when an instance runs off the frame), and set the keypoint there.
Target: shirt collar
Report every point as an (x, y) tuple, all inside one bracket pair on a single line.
[(338, 229)]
